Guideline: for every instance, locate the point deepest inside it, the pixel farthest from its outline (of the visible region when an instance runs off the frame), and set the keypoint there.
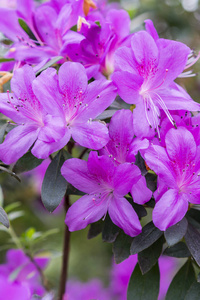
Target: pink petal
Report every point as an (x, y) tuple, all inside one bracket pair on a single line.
[(17, 143), (140, 192), (125, 176), (76, 172), (83, 212), (170, 209), (92, 135), (123, 215)]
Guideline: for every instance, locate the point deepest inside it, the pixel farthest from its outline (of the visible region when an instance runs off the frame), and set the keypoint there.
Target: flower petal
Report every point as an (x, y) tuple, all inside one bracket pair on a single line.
[(92, 135), (140, 192), (125, 176), (83, 212), (76, 172), (42, 149), (17, 143), (170, 209), (180, 146), (123, 215)]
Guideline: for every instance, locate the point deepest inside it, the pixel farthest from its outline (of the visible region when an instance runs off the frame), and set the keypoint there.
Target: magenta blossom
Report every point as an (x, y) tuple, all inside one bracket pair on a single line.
[(144, 75), (96, 50), (50, 26), (51, 108), (178, 171), (27, 278), (106, 185), (93, 289), (122, 147), (68, 96), (23, 107)]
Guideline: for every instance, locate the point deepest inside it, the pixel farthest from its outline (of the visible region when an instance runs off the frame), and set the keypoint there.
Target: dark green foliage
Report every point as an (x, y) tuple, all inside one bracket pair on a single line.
[(54, 184), (26, 163), (181, 283), (192, 239), (4, 218), (176, 232), (121, 247), (179, 250), (144, 287), (110, 230), (149, 235), (149, 257), (95, 229)]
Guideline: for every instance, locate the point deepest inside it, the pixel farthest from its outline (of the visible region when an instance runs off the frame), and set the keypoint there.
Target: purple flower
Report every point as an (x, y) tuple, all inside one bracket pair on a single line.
[(51, 108), (50, 26), (178, 171), (144, 75), (85, 291), (23, 107), (26, 280), (96, 50), (106, 185), (121, 273), (122, 147), (69, 97)]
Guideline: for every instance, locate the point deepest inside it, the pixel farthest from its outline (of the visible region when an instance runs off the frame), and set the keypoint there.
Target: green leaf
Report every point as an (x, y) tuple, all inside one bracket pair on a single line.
[(194, 292), (6, 59), (49, 64), (151, 180), (95, 229), (10, 173), (16, 214), (144, 287), (3, 131), (12, 206), (139, 161), (176, 232), (54, 184), (148, 257), (4, 218), (198, 278), (192, 239), (27, 29), (181, 283), (179, 250), (193, 216), (121, 247), (26, 163), (1, 196), (110, 230), (149, 235), (71, 190)]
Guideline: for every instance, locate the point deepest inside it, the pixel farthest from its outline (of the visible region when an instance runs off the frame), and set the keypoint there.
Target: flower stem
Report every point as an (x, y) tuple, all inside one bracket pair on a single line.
[(65, 259)]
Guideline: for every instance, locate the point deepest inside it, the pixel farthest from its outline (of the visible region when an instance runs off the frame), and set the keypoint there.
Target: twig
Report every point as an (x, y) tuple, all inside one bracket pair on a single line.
[(65, 259)]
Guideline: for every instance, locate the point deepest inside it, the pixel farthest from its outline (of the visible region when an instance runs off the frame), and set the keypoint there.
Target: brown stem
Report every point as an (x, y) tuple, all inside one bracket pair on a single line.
[(82, 153), (65, 259), (44, 280)]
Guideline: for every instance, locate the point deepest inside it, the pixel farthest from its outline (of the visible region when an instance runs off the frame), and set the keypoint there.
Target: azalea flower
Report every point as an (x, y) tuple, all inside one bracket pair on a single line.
[(26, 281), (69, 97), (99, 42), (123, 147), (178, 171), (106, 185), (144, 75), (23, 107)]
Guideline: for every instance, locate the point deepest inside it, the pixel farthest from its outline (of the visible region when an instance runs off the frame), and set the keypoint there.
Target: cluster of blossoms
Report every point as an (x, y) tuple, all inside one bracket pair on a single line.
[(50, 109), (82, 80), (20, 279)]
